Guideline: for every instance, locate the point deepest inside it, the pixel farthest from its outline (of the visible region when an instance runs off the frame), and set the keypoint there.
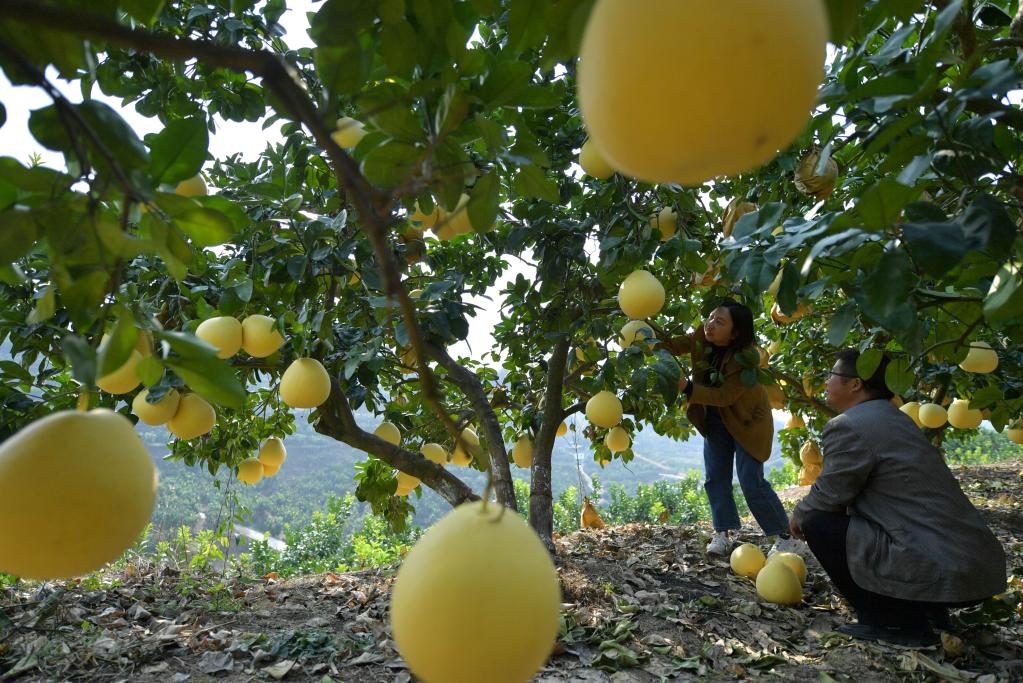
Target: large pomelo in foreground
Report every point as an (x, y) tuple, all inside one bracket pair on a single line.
[(76, 490), (476, 599), (682, 91), (260, 337), (777, 583), (223, 332)]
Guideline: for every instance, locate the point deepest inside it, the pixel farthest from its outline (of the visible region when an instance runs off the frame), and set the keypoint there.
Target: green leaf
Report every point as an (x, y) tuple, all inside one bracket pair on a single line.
[(1005, 297), (391, 164), (50, 128), (46, 306), (841, 323), (143, 11), (899, 375), (880, 204), (17, 235), (13, 370), (666, 376), (205, 227), (117, 348), (149, 370), (211, 378), (842, 15), (526, 24), (937, 247), (186, 345), (82, 357), (505, 84), (868, 362), (531, 182), (342, 68), (399, 46), (987, 225), (484, 200), (886, 295), (179, 150)]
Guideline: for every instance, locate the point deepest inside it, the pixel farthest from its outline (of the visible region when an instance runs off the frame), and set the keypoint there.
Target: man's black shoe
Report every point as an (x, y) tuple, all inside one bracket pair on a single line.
[(909, 636)]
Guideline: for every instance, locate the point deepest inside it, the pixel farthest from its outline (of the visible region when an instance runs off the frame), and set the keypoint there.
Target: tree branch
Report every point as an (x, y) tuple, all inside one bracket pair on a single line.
[(338, 422), (470, 385), (282, 79)]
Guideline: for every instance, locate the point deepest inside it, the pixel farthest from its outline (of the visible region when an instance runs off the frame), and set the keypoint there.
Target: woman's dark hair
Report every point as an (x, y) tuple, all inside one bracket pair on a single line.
[(742, 325)]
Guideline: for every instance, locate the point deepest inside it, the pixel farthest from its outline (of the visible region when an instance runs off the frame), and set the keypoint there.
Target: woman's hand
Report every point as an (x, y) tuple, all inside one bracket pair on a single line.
[(682, 384)]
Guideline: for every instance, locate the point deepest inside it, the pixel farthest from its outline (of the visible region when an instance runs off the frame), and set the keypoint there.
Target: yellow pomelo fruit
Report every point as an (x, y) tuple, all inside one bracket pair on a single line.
[(961, 416), (406, 483), (734, 83), (747, 560), (810, 454), (1015, 435), (434, 452), (912, 408), (593, 162), (415, 294), (389, 432), (777, 583), (156, 413), (349, 132), (932, 415), (305, 384), (795, 422), (665, 222), (634, 331), (273, 452), (76, 490), (735, 210), (461, 456), (981, 358), (562, 429), (223, 332), (270, 470), (260, 337), (782, 319), (641, 295), (422, 220), (409, 364), (476, 599), (193, 418), (604, 409), (458, 220), (123, 379), (250, 471), (192, 187), (794, 562), (617, 440), (808, 182), (522, 452)]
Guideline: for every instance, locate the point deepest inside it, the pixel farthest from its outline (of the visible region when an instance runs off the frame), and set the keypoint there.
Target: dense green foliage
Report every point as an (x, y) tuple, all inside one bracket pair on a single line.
[(916, 251)]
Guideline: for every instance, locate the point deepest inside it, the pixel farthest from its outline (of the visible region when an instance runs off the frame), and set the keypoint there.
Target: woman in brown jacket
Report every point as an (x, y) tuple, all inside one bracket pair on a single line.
[(736, 423)]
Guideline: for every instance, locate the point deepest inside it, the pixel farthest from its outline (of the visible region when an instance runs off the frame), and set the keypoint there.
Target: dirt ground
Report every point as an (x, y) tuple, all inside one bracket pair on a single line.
[(642, 603)]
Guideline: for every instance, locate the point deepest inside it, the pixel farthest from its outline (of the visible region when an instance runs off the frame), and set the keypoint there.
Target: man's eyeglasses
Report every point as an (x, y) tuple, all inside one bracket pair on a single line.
[(842, 374)]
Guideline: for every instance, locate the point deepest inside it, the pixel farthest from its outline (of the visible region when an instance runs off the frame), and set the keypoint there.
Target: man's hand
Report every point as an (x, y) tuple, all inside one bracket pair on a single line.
[(794, 529)]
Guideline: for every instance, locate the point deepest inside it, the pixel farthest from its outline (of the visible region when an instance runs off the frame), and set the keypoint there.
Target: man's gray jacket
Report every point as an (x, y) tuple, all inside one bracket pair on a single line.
[(913, 534)]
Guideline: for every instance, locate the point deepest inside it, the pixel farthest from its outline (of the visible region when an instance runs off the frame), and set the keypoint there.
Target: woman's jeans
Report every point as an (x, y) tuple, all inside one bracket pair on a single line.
[(719, 451)]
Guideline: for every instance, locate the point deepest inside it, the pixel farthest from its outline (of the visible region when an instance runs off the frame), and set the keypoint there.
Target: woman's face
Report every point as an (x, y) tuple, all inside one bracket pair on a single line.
[(718, 328)]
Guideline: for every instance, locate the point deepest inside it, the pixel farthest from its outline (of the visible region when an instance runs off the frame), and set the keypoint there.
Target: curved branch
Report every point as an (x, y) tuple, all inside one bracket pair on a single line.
[(338, 422), (471, 386)]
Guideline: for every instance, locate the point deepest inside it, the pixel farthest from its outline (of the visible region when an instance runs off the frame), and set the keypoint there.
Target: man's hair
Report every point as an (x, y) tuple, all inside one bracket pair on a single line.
[(874, 385)]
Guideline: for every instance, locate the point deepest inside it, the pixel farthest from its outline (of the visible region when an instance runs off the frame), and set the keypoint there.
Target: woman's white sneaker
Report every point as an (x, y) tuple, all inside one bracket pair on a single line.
[(721, 544)]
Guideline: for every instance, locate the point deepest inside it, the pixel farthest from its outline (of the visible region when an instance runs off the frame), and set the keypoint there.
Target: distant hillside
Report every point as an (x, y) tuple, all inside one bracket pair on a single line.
[(318, 467)]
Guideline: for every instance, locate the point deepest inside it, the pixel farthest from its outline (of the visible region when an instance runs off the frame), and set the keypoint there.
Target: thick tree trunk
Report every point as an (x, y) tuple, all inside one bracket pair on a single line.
[(338, 422), (541, 499), (471, 386)]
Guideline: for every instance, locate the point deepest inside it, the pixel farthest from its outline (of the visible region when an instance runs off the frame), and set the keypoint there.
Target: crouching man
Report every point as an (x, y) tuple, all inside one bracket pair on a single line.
[(888, 521)]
